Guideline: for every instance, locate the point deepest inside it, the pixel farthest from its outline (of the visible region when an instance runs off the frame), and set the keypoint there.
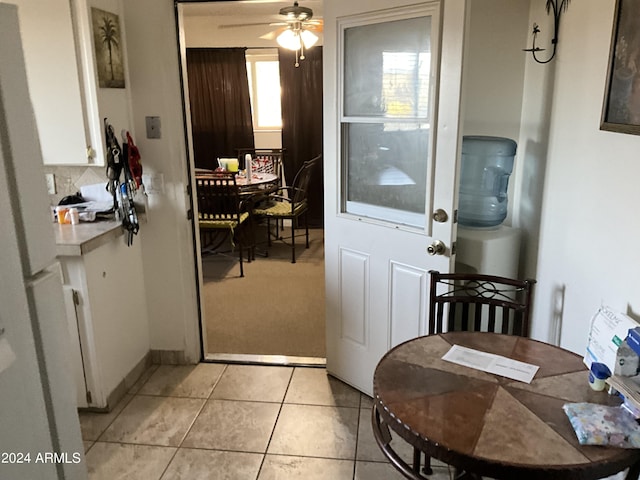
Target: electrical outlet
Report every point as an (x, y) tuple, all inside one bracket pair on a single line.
[(51, 183)]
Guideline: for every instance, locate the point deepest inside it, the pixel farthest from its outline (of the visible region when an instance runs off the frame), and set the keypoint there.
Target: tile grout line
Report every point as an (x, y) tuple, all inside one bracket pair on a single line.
[(284, 396), (113, 419), (179, 446), (131, 395), (355, 453)]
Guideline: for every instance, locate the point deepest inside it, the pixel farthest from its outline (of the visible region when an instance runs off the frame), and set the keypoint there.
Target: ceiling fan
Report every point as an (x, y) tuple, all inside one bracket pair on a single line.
[(295, 32), (297, 18)]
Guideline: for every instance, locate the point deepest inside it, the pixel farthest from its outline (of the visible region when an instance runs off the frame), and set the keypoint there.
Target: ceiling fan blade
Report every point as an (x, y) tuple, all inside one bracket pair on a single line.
[(272, 34), (315, 27), (237, 25), (258, 24)]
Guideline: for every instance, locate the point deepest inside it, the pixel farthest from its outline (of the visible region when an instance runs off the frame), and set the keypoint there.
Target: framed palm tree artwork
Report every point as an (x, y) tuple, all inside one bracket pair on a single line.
[(108, 46)]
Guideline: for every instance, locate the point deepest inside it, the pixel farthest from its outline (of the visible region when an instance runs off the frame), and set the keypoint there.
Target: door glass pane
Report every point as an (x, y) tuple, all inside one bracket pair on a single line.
[(387, 68), (387, 167), (386, 120)]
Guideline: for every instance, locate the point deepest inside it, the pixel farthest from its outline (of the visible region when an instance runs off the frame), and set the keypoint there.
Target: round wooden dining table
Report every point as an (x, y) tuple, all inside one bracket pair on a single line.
[(485, 424)]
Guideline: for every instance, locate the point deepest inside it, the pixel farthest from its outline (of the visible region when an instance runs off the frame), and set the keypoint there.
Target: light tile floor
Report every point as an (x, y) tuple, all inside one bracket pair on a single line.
[(238, 422)]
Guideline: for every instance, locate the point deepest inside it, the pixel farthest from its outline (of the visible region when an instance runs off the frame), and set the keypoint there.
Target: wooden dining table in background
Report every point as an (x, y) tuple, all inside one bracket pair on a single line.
[(486, 424), (259, 182)]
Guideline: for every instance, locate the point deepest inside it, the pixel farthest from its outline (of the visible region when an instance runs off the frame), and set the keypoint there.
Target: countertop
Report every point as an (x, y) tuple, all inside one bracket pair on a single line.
[(73, 240)]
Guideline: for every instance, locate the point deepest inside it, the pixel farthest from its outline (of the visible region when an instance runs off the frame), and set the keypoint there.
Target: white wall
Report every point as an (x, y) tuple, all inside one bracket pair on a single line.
[(494, 67), (167, 239), (115, 103), (589, 224), (494, 73)]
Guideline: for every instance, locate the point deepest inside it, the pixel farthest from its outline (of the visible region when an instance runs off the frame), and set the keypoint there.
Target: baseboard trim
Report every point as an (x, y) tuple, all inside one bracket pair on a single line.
[(169, 357), (118, 393)]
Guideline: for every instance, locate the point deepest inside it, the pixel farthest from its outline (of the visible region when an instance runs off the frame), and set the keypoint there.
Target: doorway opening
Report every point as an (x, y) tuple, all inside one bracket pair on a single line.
[(275, 313)]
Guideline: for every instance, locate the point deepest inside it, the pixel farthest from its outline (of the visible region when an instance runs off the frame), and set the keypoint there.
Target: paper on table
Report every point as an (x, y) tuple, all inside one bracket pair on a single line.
[(488, 362)]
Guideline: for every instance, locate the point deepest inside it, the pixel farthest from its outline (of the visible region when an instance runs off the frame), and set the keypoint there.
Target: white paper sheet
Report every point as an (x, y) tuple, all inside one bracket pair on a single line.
[(488, 362)]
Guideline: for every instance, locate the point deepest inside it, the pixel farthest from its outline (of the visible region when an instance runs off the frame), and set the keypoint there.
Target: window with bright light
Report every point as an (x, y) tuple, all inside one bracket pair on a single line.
[(264, 84)]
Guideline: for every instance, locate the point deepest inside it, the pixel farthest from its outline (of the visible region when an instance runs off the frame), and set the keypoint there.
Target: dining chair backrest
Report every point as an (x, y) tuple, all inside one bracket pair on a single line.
[(476, 302), (302, 179), (218, 198), (264, 160)]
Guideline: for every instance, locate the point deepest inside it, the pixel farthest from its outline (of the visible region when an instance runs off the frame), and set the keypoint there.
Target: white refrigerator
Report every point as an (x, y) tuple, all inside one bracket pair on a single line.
[(39, 428)]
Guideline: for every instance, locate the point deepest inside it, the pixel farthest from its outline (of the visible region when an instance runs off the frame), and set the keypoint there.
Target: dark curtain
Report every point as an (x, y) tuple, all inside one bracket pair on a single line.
[(302, 121), (220, 103)]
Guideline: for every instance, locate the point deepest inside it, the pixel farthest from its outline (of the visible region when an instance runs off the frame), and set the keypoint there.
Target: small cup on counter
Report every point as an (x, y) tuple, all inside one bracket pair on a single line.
[(73, 216), (61, 214)]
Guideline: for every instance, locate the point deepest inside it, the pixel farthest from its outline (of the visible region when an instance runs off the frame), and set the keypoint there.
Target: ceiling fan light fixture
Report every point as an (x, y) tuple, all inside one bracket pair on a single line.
[(289, 39), (308, 38), (295, 39)]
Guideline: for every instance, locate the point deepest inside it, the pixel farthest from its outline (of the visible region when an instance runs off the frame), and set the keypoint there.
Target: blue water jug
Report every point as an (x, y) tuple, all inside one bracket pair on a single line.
[(486, 165)]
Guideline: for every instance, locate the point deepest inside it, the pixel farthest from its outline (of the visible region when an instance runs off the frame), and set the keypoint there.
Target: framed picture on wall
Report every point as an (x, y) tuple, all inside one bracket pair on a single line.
[(621, 108), (107, 42)]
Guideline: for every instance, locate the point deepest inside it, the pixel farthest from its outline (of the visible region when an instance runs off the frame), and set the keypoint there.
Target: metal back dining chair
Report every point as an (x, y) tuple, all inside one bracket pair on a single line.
[(220, 208), (479, 303), (289, 203)]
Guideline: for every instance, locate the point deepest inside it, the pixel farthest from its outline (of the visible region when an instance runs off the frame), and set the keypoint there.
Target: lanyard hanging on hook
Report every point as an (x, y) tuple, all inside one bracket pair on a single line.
[(114, 162)]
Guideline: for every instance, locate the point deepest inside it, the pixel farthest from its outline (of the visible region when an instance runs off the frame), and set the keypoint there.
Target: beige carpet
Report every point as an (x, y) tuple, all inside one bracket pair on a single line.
[(276, 309)]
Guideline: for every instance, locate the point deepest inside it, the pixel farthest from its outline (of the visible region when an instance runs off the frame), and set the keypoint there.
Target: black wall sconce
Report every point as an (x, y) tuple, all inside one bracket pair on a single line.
[(557, 7)]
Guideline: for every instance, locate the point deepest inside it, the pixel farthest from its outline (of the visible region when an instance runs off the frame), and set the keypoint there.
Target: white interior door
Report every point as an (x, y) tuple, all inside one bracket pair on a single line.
[(392, 82)]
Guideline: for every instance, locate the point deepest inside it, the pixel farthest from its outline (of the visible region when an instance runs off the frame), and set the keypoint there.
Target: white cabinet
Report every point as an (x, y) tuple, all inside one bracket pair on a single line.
[(54, 80), (68, 103), (110, 312)]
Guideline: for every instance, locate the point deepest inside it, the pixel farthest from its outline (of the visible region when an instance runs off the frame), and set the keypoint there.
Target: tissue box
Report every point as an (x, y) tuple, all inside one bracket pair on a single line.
[(633, 340)]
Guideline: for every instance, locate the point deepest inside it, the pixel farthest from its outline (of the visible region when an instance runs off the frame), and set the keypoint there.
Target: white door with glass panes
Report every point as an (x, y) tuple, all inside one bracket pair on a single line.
[(393, 71)]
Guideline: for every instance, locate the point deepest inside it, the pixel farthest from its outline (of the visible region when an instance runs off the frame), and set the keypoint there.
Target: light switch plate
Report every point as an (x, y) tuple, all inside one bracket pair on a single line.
[(153, 127)]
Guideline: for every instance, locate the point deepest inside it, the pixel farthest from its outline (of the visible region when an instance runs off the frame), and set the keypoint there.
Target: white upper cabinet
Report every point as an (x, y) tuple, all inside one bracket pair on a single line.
[(68, 101), (54, 80)]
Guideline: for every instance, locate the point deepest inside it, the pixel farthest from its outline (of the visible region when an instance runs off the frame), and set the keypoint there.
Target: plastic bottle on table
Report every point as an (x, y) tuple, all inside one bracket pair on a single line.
[(248, 167)]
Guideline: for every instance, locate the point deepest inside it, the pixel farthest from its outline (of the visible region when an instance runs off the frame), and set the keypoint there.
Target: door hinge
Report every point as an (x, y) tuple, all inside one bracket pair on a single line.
[(190, 214), (189, 189), (89, 399), (455, 216), (454, 247), (76, 297)]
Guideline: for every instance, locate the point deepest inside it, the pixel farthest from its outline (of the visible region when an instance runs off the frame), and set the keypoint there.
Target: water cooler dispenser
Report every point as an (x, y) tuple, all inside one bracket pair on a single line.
[(484, 245)]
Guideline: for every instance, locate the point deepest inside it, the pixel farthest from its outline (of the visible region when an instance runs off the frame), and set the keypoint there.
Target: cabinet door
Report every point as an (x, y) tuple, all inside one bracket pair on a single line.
[(54, 80), (75, 348)]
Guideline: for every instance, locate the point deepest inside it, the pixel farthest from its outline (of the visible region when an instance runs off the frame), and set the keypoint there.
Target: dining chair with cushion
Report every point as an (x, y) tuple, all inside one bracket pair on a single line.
[(473, 302), (289, 203), (220, 208)]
